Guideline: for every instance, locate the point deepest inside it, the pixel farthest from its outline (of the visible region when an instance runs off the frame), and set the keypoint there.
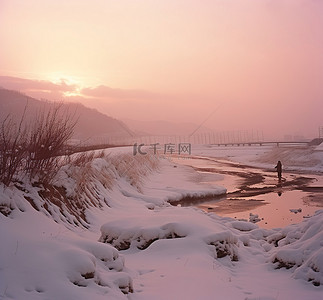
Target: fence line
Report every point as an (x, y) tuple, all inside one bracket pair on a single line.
[(225, 137)]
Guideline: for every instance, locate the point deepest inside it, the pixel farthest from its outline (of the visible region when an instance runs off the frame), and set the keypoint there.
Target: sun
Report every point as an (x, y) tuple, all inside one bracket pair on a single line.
[(69, 80)]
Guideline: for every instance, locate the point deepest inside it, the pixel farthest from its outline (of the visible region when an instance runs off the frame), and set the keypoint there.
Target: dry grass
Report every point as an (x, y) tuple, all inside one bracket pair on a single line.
[(84, 182), (135, 168), (88, 167), (93, 173)]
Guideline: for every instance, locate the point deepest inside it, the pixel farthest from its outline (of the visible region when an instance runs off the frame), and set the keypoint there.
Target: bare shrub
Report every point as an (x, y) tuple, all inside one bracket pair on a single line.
[(36, 149), (13, 142), (47, 139)]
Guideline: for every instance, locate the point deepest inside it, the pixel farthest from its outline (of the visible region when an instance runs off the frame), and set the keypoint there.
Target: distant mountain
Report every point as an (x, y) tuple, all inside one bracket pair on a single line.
[(160, 127), (92, 126)]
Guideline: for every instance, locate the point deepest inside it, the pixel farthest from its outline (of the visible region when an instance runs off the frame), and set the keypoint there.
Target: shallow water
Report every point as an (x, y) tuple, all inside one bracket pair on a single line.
[(273, 210), (257, 191)]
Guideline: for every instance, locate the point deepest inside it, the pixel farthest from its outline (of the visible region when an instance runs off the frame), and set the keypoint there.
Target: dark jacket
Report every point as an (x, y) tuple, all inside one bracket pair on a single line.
[(279, 167)]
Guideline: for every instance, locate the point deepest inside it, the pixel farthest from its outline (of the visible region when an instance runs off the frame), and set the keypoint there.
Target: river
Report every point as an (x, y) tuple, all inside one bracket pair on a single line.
[(255, 194)]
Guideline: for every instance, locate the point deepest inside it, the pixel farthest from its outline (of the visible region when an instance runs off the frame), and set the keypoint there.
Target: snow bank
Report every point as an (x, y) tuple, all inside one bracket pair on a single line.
[(82, 184), (171, 183), (170, 223), (40, 259), (300, 248), (243, 225), (293, 158), (123, 238), (319, 147), (225, 244)]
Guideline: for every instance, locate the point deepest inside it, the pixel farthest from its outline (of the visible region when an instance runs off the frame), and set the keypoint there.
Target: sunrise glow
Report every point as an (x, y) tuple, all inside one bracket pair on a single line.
[(173, 60)]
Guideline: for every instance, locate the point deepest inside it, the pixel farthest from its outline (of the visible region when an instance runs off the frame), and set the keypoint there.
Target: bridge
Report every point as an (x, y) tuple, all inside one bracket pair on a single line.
[(313, 142)]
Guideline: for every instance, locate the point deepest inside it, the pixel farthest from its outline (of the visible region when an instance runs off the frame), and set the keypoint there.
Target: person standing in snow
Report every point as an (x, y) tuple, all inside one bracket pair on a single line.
[(279, 169)]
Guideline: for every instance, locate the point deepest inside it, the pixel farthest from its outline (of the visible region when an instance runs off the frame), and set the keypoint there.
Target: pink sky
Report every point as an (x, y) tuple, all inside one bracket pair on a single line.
[(259, 62)]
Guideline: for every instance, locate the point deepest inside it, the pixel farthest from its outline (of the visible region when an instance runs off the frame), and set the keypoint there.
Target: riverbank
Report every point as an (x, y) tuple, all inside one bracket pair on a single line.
[(255, 189), (137, 246)]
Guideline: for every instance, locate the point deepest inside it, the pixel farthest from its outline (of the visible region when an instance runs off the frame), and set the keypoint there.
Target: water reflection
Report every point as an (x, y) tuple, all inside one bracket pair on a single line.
[(270, 199)]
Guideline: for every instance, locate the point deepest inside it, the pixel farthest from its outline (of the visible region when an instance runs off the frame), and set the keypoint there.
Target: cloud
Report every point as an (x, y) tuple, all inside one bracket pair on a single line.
[(56, 91), (103, 91), (26, 85)]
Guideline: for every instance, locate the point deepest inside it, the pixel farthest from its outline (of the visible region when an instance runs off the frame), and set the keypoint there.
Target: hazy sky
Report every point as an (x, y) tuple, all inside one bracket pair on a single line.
[(257, 63)]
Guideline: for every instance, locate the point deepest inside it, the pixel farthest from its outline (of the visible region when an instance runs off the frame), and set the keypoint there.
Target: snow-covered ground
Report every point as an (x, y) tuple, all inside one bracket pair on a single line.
[(292, 157), (134, 245)]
